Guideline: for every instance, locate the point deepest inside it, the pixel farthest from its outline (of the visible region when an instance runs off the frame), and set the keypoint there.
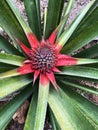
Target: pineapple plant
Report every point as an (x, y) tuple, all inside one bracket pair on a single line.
[(44, 65)]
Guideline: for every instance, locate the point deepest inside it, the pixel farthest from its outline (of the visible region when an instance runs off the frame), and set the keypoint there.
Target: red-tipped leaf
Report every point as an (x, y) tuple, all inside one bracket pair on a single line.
[(36, 74), (58, 47), (32, 40), (64, 60), (52, 37), (56, 70), (52, 79), (44, 80), (25, 69), (24, 48)]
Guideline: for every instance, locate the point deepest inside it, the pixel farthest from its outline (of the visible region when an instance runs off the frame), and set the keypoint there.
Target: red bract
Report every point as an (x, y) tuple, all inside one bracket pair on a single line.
[(44, 59)]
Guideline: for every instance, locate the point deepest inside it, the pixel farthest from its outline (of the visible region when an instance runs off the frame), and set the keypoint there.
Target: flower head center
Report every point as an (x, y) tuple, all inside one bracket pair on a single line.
[(44, 58)]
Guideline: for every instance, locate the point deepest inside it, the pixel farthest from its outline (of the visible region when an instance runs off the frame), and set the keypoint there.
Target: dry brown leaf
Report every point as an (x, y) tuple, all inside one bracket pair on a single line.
[(20, 115)]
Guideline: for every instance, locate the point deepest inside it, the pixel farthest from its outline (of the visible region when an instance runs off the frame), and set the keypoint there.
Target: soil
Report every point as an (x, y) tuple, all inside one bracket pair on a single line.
[(14, 124)]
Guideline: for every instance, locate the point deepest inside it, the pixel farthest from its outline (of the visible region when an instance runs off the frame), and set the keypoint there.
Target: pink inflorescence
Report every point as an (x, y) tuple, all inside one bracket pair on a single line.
[(43, 58)]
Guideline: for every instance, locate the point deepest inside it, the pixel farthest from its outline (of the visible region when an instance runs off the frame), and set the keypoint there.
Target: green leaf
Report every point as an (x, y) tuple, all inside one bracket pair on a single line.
[(87, 62), (82, 87), (90, 18), (54, 123), (11, 59), (29, 124), (81, 61), (92, 65), (33, 12), (8, 110), (68, 8), (68, 32), (59, 26), (10, 73), (95, 4), (8, 47), (10, 24), (86, 108), (10, 85), (90, 52), (67, 114), (22, 22), (53, 15), (6, 66), (80, 71), (67, 11), (82, 39), (76, 78), (45, 19), (41, 106), (57, 105), (4, 127)]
